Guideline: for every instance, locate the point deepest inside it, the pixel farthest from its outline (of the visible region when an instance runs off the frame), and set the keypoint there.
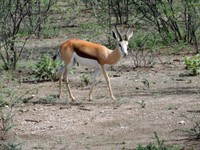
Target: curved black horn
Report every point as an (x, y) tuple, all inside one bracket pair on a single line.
[(118, 33)]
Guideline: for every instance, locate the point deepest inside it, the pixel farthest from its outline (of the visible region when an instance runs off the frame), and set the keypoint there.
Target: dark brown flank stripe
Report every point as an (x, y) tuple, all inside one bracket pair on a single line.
[(84, 55)]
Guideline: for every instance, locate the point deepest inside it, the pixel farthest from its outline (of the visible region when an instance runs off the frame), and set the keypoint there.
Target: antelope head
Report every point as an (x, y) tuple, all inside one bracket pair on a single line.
[(122, 43)]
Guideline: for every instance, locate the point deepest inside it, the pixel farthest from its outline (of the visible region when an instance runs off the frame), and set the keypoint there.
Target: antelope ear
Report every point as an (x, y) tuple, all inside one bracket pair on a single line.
[(115, 36), (129, 34)]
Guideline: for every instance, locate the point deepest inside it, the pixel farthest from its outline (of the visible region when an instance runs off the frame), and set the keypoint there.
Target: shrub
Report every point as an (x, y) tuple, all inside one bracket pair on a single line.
[(46, 68), (50, 99), (142, 48), (3, 102), (160, 145), (194, 130), (145, 40), (193, 64), (85, 78)]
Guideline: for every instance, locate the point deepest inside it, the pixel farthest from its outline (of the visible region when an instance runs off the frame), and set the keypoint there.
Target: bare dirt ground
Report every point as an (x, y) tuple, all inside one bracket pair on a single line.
[(113, 124)]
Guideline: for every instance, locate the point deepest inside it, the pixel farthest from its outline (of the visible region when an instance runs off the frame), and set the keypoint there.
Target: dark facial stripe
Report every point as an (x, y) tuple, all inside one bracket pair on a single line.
[(122, 49), (84, 55)]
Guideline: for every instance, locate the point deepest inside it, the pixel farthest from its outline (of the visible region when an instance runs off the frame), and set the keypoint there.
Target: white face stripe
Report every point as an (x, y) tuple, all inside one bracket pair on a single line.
[(123, 45)]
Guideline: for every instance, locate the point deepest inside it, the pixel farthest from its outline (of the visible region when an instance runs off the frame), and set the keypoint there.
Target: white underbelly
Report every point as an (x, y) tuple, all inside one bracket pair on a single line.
[(86, 61)]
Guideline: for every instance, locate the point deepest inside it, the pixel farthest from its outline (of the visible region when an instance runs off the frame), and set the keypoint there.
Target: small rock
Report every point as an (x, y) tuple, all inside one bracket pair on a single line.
[(177, 60), (32, 120), (23, 110), (116, 75), (86, 109), (180, 79), (154, 70), (102, 111), (181, 122), (189, 81), (35, 109)]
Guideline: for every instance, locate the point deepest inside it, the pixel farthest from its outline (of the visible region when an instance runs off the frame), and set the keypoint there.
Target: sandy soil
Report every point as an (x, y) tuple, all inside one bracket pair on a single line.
[(112, 124)]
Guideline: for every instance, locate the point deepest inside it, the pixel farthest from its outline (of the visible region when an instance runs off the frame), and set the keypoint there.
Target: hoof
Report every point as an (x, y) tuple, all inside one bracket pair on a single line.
[(58, 96), (90, 98), (113, 98), (73, 99)]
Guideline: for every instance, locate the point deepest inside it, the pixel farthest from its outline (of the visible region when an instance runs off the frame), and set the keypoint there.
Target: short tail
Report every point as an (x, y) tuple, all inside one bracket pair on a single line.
[(55, 56)]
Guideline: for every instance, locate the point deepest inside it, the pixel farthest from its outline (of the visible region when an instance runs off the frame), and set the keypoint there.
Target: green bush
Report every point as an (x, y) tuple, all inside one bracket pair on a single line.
[(193, 64), (86, 78), (50, 99), (46, 68), (3, 102), (194, 130), (159, 146), (145, 40), (49, 31)]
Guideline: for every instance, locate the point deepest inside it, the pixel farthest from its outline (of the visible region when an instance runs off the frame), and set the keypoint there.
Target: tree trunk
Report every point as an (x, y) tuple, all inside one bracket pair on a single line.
[(14, 57)]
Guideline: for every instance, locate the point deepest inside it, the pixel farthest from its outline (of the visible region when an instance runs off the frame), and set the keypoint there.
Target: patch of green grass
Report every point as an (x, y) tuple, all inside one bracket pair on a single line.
[(193, 64), (26, 64), (46, 68), (1, 65), (73, 70), (6, 123), (11, 146), (194, 130), (171, 107), (120, 101), (157, 94), (159, 146), (6, 113), (142, 103), (94, 30), (86, 78), (3, 102), (15, 96), (147, 40), (177, 47), (198, 93), (50, 99), (49, 31)]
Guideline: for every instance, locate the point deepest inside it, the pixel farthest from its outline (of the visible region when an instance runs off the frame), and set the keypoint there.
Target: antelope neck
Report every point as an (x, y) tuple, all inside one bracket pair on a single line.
[(114, 56)]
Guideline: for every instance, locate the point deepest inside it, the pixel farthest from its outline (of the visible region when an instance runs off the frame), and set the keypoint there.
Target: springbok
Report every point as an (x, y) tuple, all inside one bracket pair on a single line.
[(91, 54)]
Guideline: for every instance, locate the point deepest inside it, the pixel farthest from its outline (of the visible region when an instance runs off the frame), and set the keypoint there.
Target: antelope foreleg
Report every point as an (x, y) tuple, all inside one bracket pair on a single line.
[(96, 73), (108, 81)]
